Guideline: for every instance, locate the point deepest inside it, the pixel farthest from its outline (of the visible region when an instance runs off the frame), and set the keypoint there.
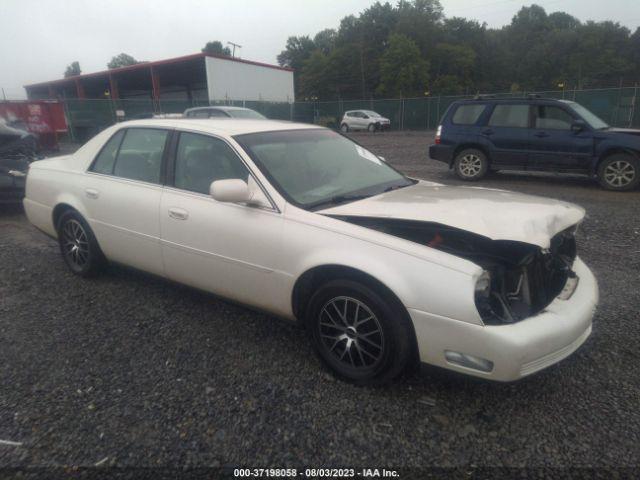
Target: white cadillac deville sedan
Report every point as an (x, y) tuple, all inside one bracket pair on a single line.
[(381, 269)]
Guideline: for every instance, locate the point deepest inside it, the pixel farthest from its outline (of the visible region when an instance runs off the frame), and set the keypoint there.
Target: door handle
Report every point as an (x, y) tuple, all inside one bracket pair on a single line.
[(91, 193), (178, 213), (487, 131), (541, 134)]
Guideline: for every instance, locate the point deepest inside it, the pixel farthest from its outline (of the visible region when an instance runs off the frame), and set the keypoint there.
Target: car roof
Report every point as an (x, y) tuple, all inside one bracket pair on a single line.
[(221, 126), (527, 99)]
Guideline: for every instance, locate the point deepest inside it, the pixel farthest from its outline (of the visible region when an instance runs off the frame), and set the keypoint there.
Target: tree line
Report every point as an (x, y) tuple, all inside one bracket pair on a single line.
[(411, 49)]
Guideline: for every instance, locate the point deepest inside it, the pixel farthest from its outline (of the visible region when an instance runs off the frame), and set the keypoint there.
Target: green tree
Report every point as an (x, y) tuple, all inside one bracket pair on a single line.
[(122, 60), (452, 62), (403, 71), (297, 50), (314, 79), (72, 70), (215, 47)]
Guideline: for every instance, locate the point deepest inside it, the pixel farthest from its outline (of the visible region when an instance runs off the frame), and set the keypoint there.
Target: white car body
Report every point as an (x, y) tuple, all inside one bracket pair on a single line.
[(363, 120), (255, 255)]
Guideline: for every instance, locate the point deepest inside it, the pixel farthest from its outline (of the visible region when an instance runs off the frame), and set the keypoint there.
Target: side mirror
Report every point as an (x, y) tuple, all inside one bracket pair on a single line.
[(365, 116), (578, 125), (232, 190)]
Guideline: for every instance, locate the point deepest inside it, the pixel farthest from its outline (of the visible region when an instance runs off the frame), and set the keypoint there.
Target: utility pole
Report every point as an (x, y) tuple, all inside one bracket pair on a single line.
[(234, 45), (362, 69), (3, 95)]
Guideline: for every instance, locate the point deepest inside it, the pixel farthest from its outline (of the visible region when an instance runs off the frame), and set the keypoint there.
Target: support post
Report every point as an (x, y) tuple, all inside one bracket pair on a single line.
[(114, 94), (79, 89), (155, 85)]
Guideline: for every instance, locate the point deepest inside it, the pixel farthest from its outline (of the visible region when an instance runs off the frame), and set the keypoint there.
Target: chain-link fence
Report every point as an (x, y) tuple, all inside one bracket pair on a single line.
[(616, 106)]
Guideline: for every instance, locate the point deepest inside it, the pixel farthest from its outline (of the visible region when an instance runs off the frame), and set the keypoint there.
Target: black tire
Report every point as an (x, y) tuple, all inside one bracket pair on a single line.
[(471, 165), (619, 172), (372, 127), (78, 245), (354, 358), (344, 128)]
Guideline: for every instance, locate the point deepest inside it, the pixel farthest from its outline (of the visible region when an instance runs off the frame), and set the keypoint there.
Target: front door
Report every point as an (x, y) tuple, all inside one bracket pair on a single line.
[(230, 249), (554, 146)]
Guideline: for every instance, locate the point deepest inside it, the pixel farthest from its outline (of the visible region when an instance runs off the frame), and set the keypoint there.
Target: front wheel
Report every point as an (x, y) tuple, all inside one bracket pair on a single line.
[(78, 245), (361, 335), (344, 128), (620, 172), (372, 127), (471, 165)]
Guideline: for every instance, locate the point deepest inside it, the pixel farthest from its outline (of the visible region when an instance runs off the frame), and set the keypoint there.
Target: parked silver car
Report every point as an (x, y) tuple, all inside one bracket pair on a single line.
[(364, 120)]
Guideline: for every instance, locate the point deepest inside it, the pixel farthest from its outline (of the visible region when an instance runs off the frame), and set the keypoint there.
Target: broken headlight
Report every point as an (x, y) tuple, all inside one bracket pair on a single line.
[(483, 285)]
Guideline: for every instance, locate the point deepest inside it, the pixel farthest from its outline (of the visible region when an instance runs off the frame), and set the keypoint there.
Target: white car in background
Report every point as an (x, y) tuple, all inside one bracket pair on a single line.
[(364, 120), (382, 270)]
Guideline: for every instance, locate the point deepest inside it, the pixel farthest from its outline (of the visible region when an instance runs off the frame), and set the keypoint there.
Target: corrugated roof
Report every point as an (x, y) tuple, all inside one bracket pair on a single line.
[(139, 66)]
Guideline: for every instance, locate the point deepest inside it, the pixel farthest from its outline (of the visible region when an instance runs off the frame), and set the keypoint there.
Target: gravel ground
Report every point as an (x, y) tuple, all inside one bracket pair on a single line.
[(130, 370)]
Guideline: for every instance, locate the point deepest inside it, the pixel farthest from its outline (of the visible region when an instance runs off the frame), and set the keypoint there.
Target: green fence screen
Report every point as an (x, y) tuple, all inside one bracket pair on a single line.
[(616, 106)]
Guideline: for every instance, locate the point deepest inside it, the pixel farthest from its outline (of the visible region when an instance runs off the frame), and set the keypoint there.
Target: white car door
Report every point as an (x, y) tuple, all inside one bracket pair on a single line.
[(230, 249), (122, 196), (363, 122)]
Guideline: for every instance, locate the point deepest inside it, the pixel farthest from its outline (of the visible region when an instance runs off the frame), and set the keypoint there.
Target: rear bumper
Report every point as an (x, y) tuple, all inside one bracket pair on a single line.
[(442, 153), (519, 349)]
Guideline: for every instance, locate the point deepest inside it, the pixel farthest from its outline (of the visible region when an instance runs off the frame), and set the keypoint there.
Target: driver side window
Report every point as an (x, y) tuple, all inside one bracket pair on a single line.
[(201, 159)]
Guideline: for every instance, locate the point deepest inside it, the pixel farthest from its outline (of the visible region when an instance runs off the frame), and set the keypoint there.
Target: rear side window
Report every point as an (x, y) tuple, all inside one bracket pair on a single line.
[(201, 160), (467, 114), (217, 113), (510, 116), (140, 155), (107, 157), (199, 114), (551, 117)]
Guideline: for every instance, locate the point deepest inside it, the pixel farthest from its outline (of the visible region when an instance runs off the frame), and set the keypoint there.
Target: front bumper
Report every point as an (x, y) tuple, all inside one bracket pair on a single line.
[(517, 349)]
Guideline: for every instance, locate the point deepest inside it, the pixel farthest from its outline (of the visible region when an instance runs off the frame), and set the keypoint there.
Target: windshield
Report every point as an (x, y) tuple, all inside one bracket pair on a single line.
[(246, 114), (318, 168), (592, 120)]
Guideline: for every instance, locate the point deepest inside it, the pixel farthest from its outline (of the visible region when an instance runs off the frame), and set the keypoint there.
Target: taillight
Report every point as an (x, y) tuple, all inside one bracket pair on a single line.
[(438, 134)]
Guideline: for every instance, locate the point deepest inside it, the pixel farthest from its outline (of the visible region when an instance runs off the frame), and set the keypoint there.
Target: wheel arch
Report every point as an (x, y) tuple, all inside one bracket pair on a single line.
[(58, 211), (307, 283), (467, 145), (612, 150)]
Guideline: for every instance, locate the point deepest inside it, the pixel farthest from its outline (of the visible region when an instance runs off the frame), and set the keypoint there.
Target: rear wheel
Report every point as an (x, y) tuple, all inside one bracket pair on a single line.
[(471, 165), (362, 336), (344, 128), (78, 245), (620, 171)]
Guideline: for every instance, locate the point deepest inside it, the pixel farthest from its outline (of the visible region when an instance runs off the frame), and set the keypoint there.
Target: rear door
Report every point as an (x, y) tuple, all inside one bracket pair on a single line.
[(507, 132), (554, 146), (122, 192)]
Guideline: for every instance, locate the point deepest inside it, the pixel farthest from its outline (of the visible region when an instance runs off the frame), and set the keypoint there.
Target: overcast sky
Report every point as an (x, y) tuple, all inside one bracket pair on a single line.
[(39, 38)]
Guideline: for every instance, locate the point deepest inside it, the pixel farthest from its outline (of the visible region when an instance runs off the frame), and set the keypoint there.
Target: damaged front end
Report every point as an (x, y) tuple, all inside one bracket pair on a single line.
[(519, 279)]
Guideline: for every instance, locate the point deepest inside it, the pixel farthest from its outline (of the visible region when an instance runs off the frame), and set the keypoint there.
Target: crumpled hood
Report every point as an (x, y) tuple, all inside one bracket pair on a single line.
[(496, 214)]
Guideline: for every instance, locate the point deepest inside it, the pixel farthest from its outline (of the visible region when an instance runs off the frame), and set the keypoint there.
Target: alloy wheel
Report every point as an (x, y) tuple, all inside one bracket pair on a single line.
[(619, 173), (351, 333), (75, 244), (470, 165)]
